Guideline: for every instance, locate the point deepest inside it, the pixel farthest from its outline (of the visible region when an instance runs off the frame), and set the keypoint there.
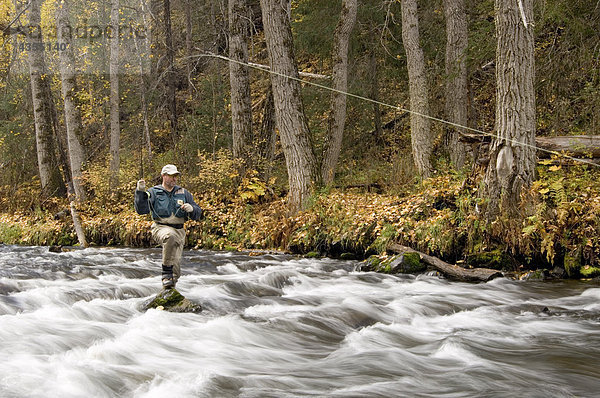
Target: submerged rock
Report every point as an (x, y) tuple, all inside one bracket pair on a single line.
[(173, 301)]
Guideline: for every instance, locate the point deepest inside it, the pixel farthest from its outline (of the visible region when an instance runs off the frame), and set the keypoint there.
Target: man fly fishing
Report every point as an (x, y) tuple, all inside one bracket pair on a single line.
[(170, 206)]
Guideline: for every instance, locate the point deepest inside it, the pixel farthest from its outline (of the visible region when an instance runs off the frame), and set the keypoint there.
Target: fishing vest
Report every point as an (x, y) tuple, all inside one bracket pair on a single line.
[(164, 204)]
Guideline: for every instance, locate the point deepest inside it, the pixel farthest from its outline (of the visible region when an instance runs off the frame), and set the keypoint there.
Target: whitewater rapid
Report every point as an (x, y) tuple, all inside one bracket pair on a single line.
[(71, 325)]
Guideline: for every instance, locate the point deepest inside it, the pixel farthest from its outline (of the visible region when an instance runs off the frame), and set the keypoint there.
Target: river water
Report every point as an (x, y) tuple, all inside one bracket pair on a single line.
[(281, 326)]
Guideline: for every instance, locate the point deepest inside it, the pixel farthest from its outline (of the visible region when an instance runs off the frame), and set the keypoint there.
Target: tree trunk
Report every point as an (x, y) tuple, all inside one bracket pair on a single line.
[(337, 116), (267, 136), (50, 178), (189, 64), (170, 73), (79, 231), (144, 79), (239, 78), (289, 111), (115, 122), (72, 106), (512, 153), (457, 94), (421, 140), (374, 95)]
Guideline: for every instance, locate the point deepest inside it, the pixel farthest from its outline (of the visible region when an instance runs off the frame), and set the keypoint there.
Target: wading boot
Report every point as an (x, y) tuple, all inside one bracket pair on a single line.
[(167, 277)]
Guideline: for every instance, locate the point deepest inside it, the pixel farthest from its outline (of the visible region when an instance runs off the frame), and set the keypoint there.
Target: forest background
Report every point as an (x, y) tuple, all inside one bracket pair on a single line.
[(165, 97)]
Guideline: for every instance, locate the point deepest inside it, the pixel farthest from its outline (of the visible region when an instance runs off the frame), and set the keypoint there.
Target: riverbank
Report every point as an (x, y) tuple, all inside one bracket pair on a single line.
[(443, 217)]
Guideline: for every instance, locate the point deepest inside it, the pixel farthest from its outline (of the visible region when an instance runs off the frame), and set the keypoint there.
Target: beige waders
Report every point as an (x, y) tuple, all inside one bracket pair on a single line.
[(172, 241)]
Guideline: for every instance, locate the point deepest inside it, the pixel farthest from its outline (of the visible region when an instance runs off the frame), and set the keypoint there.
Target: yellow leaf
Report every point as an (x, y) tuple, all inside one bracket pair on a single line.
[(554, 168)]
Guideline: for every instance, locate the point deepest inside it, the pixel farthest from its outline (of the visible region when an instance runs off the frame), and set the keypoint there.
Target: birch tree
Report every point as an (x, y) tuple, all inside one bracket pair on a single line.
[(115, 102), (512, 152), (337, 116), (420, 131), (289, 110), (43, 112), (69, 92)]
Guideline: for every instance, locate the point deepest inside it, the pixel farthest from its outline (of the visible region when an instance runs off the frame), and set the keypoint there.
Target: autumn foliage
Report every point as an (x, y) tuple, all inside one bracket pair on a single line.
[(441, 216)]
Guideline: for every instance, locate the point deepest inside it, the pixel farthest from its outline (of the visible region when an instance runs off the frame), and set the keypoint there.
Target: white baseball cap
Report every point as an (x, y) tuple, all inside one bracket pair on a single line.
[(170, 169)]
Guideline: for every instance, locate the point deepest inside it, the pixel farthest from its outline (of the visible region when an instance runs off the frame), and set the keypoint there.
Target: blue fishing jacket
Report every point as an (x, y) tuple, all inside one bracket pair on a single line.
[(163, 204)]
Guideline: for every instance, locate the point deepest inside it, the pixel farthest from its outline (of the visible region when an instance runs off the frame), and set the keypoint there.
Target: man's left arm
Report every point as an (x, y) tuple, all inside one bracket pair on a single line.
[(196, 212)]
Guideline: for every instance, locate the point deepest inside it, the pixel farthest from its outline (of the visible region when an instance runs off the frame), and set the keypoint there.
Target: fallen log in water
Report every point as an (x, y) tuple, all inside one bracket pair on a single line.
[(449, 270)]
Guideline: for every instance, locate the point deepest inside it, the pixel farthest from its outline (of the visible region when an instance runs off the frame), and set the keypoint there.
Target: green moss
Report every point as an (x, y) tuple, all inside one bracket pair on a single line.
[(373, 260), (385, 266), (370, 264), (494, 259), (535, 275), (590, 272), (412, 263), (166, 299), (312, 254), (407, 263)]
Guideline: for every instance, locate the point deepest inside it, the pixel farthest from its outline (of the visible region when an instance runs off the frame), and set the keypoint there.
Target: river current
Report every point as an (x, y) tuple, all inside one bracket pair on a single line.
[(71, 325)]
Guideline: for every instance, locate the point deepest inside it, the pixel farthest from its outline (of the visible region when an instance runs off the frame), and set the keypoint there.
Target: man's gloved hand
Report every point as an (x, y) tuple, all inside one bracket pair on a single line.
[(187, 207), (141, 185)]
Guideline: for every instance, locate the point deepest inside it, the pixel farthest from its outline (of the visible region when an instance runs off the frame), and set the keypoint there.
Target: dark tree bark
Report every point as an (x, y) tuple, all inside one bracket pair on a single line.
[(289, 111), (337, 116), (267, 136), (239, 78), (512, 153), (457, 94), (420, 130), (374, 95)]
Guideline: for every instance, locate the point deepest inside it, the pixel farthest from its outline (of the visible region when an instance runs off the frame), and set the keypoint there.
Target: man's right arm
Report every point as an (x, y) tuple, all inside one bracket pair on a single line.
[(141, 202)]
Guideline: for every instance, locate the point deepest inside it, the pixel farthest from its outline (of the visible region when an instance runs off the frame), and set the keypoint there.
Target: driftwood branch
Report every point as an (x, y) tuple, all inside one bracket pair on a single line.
[(449, 270)]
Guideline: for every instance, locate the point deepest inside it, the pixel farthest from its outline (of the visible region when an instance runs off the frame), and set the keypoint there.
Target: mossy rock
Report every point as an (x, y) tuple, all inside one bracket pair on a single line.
[(369, 265), (495, 259), (347, 256), (312, 254), (535, 275), (173, 301), (590, 272), (406, 263)]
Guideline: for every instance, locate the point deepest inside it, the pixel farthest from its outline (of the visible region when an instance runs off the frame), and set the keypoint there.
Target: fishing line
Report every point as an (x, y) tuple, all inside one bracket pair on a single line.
[(398, 108)]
